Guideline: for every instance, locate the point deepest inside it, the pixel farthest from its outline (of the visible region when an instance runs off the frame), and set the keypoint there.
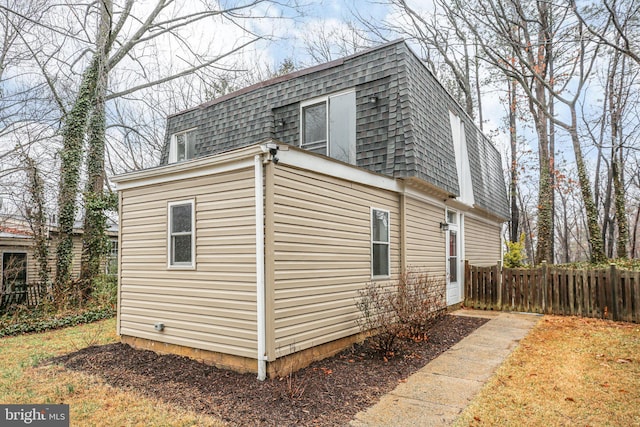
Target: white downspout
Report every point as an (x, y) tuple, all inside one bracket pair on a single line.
[(260, 274)]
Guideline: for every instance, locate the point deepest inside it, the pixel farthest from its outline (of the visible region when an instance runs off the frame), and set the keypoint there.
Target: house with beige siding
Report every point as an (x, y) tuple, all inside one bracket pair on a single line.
[(274, 205), (18, 263)]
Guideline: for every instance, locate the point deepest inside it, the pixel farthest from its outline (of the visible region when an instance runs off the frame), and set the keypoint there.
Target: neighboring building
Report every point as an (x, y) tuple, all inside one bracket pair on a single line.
[(275, 204), (17, 256)]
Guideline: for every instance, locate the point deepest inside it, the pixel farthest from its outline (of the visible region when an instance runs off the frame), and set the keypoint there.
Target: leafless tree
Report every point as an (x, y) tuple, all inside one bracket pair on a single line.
[(448, 48), (326, 41), (99, 55), (513, 25), (614, 23)]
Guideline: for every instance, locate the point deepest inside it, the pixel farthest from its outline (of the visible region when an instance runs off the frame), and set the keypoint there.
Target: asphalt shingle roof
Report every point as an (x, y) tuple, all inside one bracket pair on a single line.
[(406, 133)]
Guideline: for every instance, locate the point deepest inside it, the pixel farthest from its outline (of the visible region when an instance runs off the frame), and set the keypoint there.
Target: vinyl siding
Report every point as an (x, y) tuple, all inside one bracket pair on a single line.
[(77, 255), (425, 242), (322, 255), (32, 264), (482, 241), (211, 307)]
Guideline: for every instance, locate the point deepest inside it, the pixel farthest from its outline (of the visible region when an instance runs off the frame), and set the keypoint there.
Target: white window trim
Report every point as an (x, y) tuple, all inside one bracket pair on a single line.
[(308, 103), (173, 154), (315, 101), (192, 264), (26, 262), (388, 242)]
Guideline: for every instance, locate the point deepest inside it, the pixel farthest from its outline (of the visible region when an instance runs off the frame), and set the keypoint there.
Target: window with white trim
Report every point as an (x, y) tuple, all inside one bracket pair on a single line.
[(181, 234), (328, 126), (183, 146), (111, 266), (380, 243), (14, 271)]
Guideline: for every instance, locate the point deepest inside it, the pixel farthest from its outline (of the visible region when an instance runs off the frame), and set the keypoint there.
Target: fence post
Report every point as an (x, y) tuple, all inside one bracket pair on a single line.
[(499, 286), (613, 279), (543, 281), (467, 283)]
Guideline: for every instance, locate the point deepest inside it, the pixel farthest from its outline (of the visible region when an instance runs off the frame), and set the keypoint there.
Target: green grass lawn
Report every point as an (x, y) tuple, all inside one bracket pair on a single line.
[(23, 379)]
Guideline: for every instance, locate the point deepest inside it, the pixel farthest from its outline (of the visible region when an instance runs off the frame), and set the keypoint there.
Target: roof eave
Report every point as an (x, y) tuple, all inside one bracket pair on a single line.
[(189, 165)]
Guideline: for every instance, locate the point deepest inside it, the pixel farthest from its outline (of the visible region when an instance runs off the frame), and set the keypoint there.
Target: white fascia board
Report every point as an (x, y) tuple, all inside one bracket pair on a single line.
[(225, 162), (304, 160), (423, 197), (458, 205), (474, 213)]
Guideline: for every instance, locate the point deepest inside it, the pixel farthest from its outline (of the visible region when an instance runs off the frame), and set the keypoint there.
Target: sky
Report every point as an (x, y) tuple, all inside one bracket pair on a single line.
[(288, 30), (328, 15)]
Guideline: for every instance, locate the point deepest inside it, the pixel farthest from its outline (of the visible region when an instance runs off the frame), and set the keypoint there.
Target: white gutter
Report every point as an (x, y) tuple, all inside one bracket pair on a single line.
[(260, 274)]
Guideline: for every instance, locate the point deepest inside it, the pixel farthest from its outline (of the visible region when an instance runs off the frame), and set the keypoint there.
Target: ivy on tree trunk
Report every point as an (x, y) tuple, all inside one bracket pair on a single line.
[(89, 103), (37, 217), (70, 163), (95, 243)]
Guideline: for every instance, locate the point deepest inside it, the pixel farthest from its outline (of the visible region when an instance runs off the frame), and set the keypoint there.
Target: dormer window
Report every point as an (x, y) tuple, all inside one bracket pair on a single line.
[(328, 126), (183, 146)]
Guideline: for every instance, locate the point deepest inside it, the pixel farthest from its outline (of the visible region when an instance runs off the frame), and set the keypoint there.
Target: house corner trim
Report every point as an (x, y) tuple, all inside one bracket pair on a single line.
[(260, 269)]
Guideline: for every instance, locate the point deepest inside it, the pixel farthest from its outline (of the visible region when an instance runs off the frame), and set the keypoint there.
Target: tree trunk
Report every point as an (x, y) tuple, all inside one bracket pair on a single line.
[(595, 238), (93, 80), (94, 240), (552, 129), (634, 241), (478, 91), (71, 160), (513, 185), (545, 191), (37, 217), (621, 210), (617, 103)]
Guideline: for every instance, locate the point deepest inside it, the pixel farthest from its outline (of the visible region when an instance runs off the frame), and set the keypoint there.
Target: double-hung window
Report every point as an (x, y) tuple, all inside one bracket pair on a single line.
[(328, 126), (181, 236), (183, 146), (380, 253), (14, 271)]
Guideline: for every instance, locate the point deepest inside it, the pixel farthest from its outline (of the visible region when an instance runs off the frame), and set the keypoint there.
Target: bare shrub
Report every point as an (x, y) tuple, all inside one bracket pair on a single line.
[(378, 317), (401, 310), (420, 299)]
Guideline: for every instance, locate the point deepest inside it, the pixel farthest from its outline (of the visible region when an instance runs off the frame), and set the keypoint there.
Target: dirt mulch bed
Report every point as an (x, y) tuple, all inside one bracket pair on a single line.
[(327, 393)]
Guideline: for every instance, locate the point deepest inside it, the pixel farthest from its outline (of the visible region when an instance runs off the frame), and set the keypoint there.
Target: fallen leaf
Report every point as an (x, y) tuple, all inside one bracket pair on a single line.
[(623, 360), (569, 399), (477, 418), (605, 385)]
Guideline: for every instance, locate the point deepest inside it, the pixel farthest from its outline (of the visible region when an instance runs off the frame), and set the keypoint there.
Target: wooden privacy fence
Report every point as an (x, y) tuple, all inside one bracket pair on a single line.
[(22, 294), (609, 293)]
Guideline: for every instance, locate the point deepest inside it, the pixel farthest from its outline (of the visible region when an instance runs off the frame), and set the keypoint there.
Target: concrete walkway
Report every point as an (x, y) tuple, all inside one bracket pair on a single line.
[(439, 392)]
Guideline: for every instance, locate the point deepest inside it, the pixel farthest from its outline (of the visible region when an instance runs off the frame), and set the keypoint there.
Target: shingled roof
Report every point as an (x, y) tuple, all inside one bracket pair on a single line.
[(408, 134)]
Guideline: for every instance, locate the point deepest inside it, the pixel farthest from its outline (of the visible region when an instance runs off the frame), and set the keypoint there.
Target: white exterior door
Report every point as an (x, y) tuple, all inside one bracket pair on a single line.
[(453, 254)]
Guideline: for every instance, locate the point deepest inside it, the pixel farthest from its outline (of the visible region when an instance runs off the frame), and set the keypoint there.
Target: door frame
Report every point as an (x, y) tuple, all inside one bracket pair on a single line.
[(454, 290)]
